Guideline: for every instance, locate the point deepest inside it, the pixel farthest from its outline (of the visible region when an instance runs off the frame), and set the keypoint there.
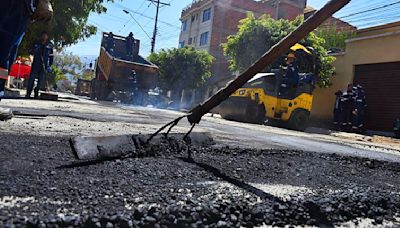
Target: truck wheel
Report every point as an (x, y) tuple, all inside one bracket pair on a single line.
[(299, 120), (93, 90), (104, 91)]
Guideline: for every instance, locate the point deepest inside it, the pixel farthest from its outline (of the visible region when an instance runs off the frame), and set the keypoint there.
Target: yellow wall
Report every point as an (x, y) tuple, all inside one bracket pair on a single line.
[(369, 47)]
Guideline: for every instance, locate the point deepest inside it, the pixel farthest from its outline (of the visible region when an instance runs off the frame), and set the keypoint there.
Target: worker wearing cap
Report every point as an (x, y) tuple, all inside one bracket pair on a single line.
[(292, 70), (396, 128), (338, 110), (348, 108), (360, 105), (110, 43), (14, 18), (42, 52)]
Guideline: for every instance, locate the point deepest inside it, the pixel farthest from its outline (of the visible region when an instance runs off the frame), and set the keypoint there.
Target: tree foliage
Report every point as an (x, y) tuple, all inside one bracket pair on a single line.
[(182, 68), (87, 74), (256, 36), (54, 76), (69, 64), (69, 24), (65, 64), (334, 39)]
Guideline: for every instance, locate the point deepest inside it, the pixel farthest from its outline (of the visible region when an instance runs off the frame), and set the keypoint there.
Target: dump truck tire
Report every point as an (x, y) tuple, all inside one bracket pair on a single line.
[(93, 90), (299, 120), (104, 90)]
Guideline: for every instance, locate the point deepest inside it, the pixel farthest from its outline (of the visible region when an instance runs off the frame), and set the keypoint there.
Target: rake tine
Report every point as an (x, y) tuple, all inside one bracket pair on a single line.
[(186, 137), (172, 124)]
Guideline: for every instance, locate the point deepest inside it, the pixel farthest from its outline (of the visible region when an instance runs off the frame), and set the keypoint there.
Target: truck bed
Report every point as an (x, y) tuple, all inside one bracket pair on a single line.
[(118, 70)]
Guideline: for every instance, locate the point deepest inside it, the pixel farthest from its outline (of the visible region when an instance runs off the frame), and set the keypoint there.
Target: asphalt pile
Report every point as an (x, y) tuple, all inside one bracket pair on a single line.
[(219, 187)]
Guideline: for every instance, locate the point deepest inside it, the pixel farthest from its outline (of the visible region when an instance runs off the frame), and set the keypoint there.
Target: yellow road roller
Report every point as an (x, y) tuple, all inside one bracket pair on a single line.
[(270, 98)]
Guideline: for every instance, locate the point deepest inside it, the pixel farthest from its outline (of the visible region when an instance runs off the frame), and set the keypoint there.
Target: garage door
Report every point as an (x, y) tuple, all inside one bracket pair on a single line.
[(382, 87)]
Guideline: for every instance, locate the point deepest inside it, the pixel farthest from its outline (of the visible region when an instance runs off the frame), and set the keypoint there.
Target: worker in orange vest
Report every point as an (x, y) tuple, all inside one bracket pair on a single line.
[(14, 19)]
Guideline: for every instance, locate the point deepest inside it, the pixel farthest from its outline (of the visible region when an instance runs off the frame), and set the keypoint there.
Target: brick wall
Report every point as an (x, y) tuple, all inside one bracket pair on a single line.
[(333, 22), (227, 14)]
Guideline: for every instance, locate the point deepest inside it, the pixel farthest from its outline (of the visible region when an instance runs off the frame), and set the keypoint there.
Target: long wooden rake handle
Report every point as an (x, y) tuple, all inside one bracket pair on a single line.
[(268, 58)]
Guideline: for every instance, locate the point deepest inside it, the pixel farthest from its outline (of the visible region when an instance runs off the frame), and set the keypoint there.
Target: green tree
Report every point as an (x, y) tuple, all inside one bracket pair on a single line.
[(334, 38), (64, 64), (54, 76), (69, 24), (69, 64), (256, 36), (87, 74), (182, 68)]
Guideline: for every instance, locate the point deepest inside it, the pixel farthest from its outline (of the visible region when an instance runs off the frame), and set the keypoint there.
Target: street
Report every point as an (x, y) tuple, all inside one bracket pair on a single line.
[(253, 175)]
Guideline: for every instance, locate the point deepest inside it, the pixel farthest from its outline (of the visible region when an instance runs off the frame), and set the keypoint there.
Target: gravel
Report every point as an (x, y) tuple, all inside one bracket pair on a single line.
[(221, 187)]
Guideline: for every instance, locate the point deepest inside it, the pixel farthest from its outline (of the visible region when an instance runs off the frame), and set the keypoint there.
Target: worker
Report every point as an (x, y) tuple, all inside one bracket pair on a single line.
[(348, 108), (292, 70), (130, 42), (338, 110), (42, 52), (14, 19), (110, 42), (360, 105), (396, 128)]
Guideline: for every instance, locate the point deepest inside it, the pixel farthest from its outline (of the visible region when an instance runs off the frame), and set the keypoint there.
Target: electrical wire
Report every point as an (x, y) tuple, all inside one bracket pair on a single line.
[(370, 10)]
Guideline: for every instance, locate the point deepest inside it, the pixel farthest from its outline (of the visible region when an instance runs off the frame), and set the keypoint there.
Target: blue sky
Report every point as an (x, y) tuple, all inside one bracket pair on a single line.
[(143, 11)]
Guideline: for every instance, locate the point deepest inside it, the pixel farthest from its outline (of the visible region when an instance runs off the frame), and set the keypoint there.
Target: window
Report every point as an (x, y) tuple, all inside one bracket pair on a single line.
[(190, 41), (193, 18), (203, 38), (207, 14), (181, 44), (184, 25)]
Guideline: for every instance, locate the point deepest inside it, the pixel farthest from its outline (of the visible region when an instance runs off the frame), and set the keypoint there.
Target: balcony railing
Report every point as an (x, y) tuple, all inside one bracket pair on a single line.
[(195, 3)]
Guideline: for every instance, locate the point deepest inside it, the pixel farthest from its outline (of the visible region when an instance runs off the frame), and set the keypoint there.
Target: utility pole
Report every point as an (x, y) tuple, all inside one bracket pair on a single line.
[(278, 2), (158, 4)]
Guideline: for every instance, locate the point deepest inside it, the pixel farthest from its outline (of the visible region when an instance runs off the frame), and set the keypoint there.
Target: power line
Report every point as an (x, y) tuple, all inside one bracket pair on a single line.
[(145, 16), (380, 12), (370, 10), (137, 22), (143, 2), (358, 6), (368, 17)]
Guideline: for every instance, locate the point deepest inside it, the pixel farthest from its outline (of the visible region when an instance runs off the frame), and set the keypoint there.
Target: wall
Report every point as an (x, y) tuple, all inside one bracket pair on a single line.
[(324, 98), (196, 27), (375, 45), (228, 13)]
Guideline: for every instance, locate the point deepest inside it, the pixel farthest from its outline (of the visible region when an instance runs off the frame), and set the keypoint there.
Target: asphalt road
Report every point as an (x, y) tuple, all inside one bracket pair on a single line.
[(254, 175), (234, 134)]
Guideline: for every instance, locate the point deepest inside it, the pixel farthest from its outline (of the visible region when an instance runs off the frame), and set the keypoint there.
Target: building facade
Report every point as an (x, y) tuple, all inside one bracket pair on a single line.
[(206, 24), (372, 59)]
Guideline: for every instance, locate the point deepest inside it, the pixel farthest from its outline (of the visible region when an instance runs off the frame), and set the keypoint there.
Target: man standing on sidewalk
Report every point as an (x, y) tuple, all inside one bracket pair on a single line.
[(14, 19), (42, 52)]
